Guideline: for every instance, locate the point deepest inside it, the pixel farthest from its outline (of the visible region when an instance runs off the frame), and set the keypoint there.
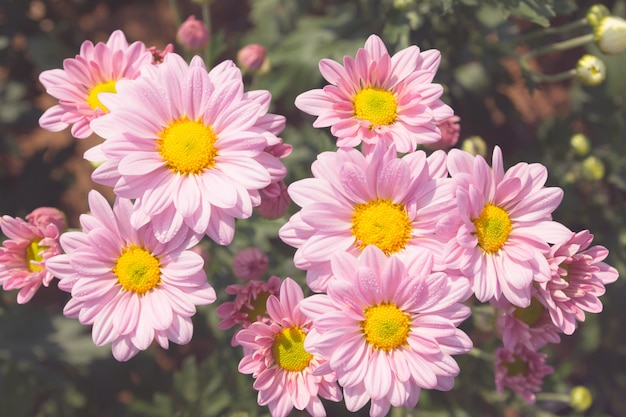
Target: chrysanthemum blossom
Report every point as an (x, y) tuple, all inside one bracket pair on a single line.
[(27, 249), (96, 69), (450, 130), (250, 263), (355, 201), (388, 329), (377, 97), (522, 370), (577, 280), (530, 326), (189, 146), (286, 374), (504, 226), (130, 287)]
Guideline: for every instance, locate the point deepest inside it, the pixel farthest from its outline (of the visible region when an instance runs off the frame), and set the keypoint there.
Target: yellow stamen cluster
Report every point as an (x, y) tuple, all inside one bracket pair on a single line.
[(137, 270), (187, 147), (288, 349), (381, 223), (385, 326), (493, 227), (376, 105), (105, 87)]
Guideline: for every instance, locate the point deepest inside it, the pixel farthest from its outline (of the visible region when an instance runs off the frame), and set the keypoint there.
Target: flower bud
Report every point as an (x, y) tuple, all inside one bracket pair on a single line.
[(474, 145), (580, 144), (251, 57), (596, 13), (43, 216), (610, 35), (193, 34), (592, 168), (590, 70), (580, 398)]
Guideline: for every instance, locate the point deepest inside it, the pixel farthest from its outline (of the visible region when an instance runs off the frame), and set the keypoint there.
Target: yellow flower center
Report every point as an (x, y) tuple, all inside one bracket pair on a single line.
[(288, 349), (376, 105), (531, 314), (105, 87), (381, 223), (137, 270), (492, 228), (33, 253), (187, 147), (385, 326), (517, 367), (258, 306)]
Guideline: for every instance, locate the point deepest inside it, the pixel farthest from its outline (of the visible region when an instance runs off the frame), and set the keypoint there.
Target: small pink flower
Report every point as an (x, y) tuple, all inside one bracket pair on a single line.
[(450, 130), (250, 264), (27, 249), (578, 279), (193, 34), (158, 55), (378, 97), (248, 305), (96, 69), (522, 370), (275, 201), (286, 374), (388, 328), (530, 326), (251, 57), (130, 287)]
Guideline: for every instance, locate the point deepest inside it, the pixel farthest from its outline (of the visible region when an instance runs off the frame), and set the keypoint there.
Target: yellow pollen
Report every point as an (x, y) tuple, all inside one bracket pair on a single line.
[(517, 367), (137, 270), (258, 307), (531, 314), (381, 223), (385, 326), (33, 253), (492, 228), (187, 147), (288, 349), (105, 87), (376, 105)]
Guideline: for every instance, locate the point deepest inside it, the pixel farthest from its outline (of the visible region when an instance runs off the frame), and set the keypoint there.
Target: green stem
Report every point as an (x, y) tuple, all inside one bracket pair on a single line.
[(206, 18), (553, 396), (174, 8), (552, 30), (481, 354)]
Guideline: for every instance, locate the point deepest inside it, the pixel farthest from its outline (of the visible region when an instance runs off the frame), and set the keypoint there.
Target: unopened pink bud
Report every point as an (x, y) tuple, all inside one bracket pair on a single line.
[(43, 216), (251, 57), (193, 34)]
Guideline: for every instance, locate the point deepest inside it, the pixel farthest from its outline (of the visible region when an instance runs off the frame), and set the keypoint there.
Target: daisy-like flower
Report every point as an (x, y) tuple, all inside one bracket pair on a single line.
[(355, 201), (388, 329), (377, 97), (522, 370), (27, 249), (578, 279), (504, 225), (530, 326), (286, 374), (129, 286), (189, 145), (250, 264), (96, 69)]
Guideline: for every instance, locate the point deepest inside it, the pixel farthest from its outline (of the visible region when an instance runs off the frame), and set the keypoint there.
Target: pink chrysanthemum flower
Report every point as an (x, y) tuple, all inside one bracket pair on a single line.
[(249, 304), (285, 374), (504, 225), (450, 130), (578, 279), (27, 249), (530, 326), (355, 201), (250, 264), (376, 97), (189, 145), (388, 329), (522, 370), (129, 286), (96, 69)]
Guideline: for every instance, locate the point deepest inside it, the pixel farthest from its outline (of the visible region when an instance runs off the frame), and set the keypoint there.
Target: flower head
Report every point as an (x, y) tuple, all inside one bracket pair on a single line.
[(577, 279), (388, 328), (251, 57), (522, 370), (193, 34), (96, 69), (250, 264), (130, 287), (27, 249), (590, 70), (504, 226), (610, 35), (355, 201), (377, 97), (158, 55), (190, 146), (450, 129), (286, 374)]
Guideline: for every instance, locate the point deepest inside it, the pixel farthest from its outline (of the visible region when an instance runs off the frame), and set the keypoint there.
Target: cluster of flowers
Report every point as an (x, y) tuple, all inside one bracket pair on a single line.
[(394, 242)]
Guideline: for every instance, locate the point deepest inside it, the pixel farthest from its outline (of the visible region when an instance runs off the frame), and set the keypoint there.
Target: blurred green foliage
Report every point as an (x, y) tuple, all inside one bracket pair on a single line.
[(49, 365)]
